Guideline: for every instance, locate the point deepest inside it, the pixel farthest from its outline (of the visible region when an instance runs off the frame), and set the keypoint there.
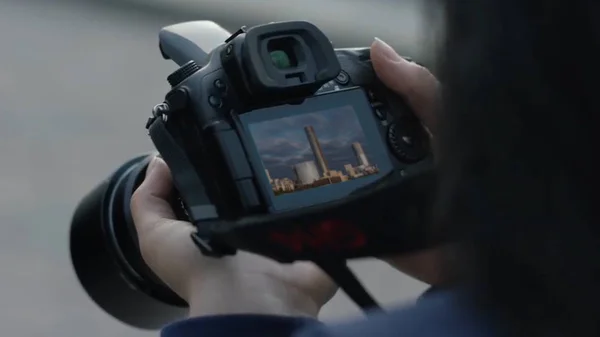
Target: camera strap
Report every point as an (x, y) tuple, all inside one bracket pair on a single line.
[(349, 283), (188, 184)]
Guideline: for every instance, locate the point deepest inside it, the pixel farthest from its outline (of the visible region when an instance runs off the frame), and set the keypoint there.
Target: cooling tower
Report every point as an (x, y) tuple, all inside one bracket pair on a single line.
[(361, 157), (306, 172), (316, 149)]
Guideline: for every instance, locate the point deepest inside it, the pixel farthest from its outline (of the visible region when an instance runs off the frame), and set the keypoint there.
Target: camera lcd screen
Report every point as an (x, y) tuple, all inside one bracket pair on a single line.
[(317, 151), (313, 150)]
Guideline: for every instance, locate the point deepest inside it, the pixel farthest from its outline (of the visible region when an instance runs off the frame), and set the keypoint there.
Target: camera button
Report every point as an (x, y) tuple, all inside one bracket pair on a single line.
[(219, 84), (371, 95), (342, 78), (215, 101), (379, 110)]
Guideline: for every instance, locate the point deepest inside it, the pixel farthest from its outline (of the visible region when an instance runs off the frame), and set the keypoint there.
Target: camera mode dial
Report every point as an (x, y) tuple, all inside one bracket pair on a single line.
[(408, 140), (182, 73)]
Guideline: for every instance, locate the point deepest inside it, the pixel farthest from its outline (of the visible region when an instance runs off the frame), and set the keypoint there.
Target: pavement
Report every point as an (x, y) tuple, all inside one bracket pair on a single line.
[(77, 82)]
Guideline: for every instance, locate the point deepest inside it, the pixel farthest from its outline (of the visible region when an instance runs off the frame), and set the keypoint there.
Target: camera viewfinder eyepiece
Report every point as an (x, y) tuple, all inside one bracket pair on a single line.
[(291, 59)]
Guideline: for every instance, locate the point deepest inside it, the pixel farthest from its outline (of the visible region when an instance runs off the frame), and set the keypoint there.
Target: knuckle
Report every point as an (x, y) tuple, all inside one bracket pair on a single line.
[(136, 199), (423, 76), (145, 251), (422, 84), (136, 205)]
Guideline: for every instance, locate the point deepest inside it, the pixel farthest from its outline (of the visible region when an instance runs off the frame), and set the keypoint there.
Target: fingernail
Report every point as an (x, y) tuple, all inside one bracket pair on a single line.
[(388, 51)]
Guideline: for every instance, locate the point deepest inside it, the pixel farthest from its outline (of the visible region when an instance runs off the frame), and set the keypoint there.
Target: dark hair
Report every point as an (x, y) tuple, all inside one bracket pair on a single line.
[(519, 137)]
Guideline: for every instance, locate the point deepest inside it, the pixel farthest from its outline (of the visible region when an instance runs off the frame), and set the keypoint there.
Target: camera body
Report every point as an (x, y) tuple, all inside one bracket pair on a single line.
[(281, 145)]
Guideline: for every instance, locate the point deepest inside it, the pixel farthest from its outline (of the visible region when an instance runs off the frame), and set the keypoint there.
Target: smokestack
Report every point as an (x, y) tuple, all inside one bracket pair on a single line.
[(269, 176), (316, 149), (361, 157)]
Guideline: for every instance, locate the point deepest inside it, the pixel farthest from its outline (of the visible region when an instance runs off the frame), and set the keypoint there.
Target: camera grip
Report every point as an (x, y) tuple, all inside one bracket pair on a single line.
[(407, 138), (357, 65)]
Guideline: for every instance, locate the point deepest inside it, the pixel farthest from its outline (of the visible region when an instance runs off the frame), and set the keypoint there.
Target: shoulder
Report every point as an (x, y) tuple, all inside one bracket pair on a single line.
[(442, 314)]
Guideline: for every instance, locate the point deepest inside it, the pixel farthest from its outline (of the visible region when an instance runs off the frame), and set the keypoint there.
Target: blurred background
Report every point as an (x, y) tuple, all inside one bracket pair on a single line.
[(78, 80)]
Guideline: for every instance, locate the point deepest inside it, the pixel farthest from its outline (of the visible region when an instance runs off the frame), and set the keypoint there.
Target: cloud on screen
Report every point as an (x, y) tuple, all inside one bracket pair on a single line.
[(282, 142)]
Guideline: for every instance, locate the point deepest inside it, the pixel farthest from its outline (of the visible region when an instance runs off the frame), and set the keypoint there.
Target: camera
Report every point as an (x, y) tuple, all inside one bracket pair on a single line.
[(279, 145)]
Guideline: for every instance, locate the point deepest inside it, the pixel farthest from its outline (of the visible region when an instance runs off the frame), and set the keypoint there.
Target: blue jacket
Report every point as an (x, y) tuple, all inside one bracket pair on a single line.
[(440, 314)]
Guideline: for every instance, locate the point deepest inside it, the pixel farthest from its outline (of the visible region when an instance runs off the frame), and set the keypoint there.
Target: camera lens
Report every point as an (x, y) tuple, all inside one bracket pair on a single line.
[(106, 256)]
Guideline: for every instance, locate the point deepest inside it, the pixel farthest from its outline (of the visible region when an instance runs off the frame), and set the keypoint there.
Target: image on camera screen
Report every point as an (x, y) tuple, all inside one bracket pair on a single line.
[(313, 150)]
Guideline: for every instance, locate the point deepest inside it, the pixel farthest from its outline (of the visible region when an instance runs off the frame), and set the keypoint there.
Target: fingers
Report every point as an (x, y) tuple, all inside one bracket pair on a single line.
[(324, 288), (149, 204), (410, 80)]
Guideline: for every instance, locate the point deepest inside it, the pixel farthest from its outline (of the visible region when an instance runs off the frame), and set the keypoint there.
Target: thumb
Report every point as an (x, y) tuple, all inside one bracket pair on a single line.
[(413, 82), (150, 202)]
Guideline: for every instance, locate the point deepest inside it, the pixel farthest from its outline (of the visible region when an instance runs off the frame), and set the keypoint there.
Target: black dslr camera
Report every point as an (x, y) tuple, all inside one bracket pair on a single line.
[(279, 145)]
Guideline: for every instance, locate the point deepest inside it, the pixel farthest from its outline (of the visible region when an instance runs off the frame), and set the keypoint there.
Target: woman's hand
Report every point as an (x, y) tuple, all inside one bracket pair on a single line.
[(244, 283), (420, 89)]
